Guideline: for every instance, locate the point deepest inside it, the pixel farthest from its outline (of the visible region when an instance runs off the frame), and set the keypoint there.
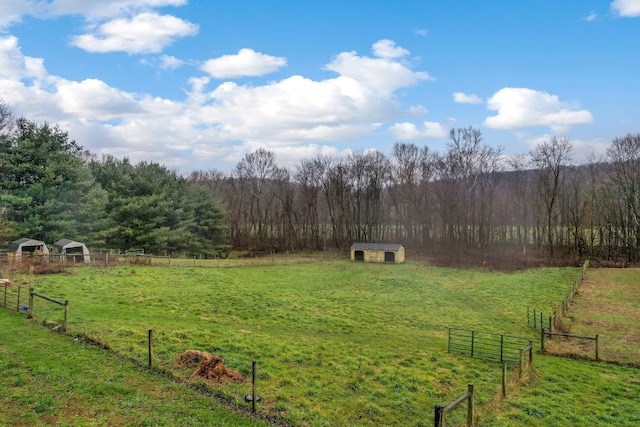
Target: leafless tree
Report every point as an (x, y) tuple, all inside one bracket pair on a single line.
[(412, 169), (550, 159), (6, 119), (624, 154)]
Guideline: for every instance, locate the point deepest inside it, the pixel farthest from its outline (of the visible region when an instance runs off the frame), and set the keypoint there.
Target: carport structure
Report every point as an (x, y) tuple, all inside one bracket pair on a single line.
[(68, 247), (28, 246)]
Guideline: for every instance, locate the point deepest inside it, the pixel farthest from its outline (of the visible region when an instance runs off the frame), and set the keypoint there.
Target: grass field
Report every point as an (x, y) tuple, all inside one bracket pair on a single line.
[(51, 379), (608, 303), (337, 343)]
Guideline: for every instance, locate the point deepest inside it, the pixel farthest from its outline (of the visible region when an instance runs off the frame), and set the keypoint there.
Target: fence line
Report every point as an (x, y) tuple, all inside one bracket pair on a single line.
[(14, 296), (564, 305), (106, 259), (546, 333), (536, 319), (486, 345)]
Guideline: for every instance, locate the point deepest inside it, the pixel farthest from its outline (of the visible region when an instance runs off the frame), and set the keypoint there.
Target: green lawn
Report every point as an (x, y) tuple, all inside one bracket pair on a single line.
[(337, 343), (52, 379)]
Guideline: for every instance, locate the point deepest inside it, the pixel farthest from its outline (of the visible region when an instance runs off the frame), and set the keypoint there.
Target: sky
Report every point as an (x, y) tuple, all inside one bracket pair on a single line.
[(196, 85)]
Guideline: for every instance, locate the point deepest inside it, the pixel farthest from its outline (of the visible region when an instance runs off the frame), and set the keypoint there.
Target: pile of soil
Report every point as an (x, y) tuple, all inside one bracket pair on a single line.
[(192, 358), (209, 367)]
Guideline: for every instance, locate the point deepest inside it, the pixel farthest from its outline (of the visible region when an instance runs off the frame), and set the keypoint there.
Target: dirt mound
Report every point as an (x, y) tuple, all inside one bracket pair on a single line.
[(214, 370), (210, 367), (192, 358)]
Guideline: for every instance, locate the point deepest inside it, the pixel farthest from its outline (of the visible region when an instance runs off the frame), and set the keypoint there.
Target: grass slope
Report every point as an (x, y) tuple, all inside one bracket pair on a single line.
[(52, 379), (337, 343), (608, 304)]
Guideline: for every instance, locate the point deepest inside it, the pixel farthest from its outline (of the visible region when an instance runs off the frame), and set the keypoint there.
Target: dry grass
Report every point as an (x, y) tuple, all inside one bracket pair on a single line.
[(607, 304)]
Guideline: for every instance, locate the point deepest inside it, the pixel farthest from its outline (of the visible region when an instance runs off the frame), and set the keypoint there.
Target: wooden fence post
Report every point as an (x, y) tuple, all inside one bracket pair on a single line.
[(150, 347), (473, 333), (470, 405), (597, 352), (542, 339), (66, 316), (439, 415), (253, 387), (504, 379), (30, 303), (521, 367)]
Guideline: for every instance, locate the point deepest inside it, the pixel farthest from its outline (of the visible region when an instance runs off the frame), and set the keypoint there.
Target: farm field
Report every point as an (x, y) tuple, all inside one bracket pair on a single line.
[(52, 379), (336, 343)]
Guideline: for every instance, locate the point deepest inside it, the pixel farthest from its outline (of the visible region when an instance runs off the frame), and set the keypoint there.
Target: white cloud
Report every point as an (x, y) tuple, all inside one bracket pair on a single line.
[(93, 99), (591, 17), (375, 74), (15, 66), (582, 149), (420, 32), (626, 8), (168, 62), (144, 33), (408, 131), (295, 117), (104, 9), (522, 107), (12, 11), (387, 49), (246, 62), (463, 98)]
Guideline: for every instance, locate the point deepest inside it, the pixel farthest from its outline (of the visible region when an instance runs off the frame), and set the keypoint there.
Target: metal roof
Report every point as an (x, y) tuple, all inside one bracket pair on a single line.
[(66, 243), (15, 245), (378, 246)]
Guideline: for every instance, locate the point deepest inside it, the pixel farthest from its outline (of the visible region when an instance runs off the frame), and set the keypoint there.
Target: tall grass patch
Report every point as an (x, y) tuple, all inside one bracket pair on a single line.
[(608, 304)]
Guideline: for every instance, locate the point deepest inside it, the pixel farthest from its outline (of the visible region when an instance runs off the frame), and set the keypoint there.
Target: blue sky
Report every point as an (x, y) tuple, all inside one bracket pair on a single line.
[(198, 84)]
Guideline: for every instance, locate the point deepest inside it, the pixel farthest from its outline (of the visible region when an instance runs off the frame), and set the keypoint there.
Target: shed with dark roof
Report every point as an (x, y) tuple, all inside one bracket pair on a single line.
[(377, 252), (26, 245), (78, 250)]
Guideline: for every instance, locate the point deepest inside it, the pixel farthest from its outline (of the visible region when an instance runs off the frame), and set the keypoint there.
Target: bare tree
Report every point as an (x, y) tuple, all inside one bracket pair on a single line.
[(551, 158), (520, 166), (6, 119), (412, 169), (624, 154), (254, 176), (308, 175)]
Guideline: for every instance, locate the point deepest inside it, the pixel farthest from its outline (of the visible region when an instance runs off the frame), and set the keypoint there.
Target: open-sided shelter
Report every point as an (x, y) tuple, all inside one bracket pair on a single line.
[(71, 247), (377, 252), (26, 245)]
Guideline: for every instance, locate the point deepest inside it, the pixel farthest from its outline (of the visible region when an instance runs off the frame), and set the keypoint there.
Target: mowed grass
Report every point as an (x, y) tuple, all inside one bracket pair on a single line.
[(336, 343), (607, 304), (52, 379)]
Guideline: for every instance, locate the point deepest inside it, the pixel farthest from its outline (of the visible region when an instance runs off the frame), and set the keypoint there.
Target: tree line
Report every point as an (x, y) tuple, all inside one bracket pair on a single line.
[(469, 198), (51, 188)]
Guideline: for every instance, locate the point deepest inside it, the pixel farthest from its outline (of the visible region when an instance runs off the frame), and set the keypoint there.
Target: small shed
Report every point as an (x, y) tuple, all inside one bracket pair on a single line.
[(377, 252), (25, 245), (71, 247)]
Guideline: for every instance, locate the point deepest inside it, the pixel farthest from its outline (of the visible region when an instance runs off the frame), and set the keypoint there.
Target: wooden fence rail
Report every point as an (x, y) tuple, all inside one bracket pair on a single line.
[(547, 333), (65, 304), (441, 410)]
